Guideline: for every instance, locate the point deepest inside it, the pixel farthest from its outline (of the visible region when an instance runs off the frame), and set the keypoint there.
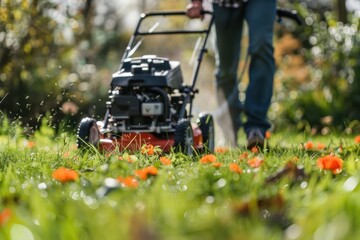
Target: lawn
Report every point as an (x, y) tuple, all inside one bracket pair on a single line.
[(305, 187)]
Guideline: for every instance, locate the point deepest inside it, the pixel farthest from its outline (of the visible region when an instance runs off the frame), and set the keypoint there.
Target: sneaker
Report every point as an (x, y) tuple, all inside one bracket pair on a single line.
[(255, 138)]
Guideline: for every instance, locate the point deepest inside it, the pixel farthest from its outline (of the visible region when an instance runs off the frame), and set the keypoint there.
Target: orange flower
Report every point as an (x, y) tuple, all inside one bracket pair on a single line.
[(255, 162), (66, 155), (357, 139), (216, 164), (151, 170), (320, 146), (235, 168), (165, 161), (129, 181), (221, 149), (30, 144), (309, 145), (330, 162), (244, 156), (254, 150), (5, 216), (145, 172), (209, 158), (65, 175), (267, 134), (141, 173), (148, 149)]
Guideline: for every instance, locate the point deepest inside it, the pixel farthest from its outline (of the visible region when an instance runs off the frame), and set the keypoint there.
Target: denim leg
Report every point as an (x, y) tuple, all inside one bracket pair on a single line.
[(228, 26), (260, 17)]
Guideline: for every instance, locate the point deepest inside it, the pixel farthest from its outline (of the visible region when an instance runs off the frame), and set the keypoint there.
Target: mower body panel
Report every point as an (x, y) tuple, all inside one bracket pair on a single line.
[(134, 141), (148, 71)]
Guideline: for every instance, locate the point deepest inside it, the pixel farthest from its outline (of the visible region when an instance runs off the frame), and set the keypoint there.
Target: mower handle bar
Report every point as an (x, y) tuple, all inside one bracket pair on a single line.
[(205, 32), (170, 13), (291, 14), (280, 12)]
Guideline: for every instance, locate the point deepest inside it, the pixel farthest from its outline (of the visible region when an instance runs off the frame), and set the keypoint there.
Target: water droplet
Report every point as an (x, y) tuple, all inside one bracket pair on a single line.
[(293, 232), (350, 184), (303, 185), (221, 183), (210, 199), (42, 186), (19, 232), (75, 196)]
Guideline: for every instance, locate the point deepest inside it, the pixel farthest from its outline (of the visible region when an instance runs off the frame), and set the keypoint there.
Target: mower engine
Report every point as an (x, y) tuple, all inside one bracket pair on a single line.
[(145, 96)]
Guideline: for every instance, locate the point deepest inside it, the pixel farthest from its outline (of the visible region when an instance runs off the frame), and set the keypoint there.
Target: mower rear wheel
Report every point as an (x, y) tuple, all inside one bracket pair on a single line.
[(184, 137), (88, 133), (206, 125)]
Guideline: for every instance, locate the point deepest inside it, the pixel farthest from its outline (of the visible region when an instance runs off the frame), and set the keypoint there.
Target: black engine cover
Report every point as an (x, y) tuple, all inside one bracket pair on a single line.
[(125, 106), (148, 71)]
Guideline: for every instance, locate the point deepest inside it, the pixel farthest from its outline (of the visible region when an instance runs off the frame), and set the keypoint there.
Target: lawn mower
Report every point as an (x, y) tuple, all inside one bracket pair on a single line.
[(149, 103)]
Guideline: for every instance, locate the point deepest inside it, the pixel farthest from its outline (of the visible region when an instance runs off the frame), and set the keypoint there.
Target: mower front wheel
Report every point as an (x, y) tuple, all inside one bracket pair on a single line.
[(206, 125), (184, 137), (88, 133)]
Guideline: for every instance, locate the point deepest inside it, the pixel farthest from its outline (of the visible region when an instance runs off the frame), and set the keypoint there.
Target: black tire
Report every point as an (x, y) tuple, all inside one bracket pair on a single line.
[(88, 133), (207, 127), (184, 137)]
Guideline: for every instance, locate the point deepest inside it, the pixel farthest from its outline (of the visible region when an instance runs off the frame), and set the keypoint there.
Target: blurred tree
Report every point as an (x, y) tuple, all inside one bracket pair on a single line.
[(329, 93), (30, 57), (49, 50), (340, 6)]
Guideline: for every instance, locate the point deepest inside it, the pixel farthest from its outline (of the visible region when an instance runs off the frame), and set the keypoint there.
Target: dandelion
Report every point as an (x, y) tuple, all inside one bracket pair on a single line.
[(141, 173), (235, 168), (254, 149), (320, 146), (145, 172), (309, 145), (129, 181), (65, 175), (165, 161), (357, 139), (30, 144), (209, 158), (244, 156), (255, 162), (5, 216), (148, 149), (216, 164), (152, 170), (330, 162), (267, 134), (66, 155), (221, 149)]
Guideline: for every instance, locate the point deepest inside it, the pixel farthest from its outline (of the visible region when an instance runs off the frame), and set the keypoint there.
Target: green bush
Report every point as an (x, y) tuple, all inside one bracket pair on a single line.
[(331, 53)]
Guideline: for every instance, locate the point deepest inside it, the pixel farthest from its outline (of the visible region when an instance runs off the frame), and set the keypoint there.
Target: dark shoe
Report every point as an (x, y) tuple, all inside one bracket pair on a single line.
[(255, 138)]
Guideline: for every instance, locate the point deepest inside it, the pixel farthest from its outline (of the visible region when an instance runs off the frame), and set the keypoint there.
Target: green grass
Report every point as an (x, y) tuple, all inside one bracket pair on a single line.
[(185, 200)]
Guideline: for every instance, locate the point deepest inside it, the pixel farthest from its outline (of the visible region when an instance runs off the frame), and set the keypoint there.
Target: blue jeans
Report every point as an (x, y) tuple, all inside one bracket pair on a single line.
[(260, 16)]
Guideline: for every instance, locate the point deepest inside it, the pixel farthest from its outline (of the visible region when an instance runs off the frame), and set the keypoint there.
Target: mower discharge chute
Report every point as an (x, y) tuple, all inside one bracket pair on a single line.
[(149, 103)]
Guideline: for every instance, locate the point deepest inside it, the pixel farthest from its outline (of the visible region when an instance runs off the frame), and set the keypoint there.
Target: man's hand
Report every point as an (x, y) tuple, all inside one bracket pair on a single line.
[(194, 9)]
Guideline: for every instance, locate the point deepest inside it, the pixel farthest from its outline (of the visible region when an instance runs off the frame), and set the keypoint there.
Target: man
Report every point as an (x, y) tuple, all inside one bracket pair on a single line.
[(229, 17)]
